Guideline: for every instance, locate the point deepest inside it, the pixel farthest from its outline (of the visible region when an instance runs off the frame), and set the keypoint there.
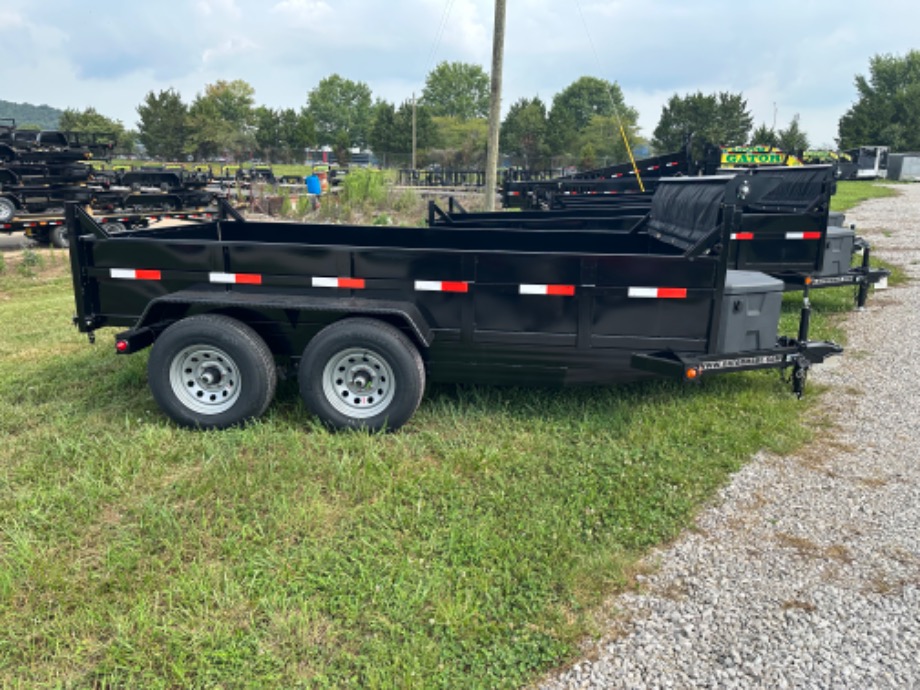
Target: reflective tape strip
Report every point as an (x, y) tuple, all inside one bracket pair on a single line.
[(343, 283), (236, 278), (552, 290), (742, 235), (658, 293), (441, 286), (803, 235), (135, 274)]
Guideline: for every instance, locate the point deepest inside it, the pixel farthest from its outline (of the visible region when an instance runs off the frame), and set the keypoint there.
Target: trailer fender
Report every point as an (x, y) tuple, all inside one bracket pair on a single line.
[(176, 305)]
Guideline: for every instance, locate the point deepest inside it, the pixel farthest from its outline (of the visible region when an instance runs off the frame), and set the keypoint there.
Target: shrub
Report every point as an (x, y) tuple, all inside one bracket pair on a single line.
[(30, 261)]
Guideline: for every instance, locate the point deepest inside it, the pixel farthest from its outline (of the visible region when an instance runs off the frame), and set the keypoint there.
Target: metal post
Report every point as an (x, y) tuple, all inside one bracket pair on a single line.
[(495, 104)]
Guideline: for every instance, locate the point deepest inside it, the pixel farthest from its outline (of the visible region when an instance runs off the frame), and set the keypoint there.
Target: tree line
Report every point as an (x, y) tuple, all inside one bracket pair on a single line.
[(587, 124)]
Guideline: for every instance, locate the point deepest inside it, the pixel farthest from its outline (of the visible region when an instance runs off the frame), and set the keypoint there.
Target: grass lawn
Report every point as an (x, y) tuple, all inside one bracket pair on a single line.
[(851, 192), (469, 550)]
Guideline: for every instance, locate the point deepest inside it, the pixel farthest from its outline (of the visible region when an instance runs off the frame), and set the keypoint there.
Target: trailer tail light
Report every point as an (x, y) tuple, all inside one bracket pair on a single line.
[(236, 278), (135, 274), (551, 290), (341, 283), (803, 235), (658, 293), (742, 235), (121, 346), (441, 286)]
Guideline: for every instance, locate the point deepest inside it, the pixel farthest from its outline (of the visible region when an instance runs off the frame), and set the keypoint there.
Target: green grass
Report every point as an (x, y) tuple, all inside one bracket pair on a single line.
[(852, 192), (469, 550)]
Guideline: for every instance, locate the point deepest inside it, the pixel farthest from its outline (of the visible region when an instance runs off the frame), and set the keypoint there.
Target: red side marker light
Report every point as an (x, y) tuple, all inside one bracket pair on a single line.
[(121, 346)]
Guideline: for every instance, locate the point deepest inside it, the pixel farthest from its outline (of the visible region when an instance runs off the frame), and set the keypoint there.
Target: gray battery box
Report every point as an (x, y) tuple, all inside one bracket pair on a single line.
[(838, 251), (750, 311)]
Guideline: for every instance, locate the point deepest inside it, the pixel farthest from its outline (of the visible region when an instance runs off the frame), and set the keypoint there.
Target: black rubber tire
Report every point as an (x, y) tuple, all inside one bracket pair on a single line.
[(384, 344), (7, 210), (114, 227), (251, 359), (59, 237)]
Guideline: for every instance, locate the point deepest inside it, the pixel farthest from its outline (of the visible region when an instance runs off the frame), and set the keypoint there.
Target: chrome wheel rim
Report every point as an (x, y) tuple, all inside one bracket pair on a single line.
[(7, 210), (205, 379), (358, 383)]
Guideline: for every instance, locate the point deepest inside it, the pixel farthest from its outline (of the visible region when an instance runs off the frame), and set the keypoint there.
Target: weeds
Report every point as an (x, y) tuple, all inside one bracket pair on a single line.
[(29, 263)]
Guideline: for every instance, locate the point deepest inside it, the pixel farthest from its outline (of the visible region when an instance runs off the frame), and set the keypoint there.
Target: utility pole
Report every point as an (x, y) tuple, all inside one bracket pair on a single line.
[(413, 130), (495, 104)]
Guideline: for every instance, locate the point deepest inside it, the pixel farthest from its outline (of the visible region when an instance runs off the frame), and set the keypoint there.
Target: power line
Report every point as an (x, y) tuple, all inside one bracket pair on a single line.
[(616, 110), (445, 16)]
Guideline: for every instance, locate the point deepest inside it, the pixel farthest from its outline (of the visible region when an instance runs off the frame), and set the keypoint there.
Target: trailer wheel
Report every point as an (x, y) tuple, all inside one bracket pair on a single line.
[(211, 372), (362, 374), (59, 237), (7, 210), (114, 227)]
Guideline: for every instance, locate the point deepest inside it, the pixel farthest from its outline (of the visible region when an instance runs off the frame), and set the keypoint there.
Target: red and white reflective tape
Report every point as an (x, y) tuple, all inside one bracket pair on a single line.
[(803, 235), (742, 235), (135, 274), (552, 290), (341, 283), (658, 293), (441, 286), (236, 278)]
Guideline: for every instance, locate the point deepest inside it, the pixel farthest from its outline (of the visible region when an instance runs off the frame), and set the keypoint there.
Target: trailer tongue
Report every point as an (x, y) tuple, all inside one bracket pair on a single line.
[(367, 315)]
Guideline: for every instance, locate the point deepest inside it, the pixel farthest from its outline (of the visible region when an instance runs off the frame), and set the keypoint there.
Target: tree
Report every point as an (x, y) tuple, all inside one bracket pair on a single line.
[(575, 106), (888, 108), (89, 121), (341, 110), (267, 132), (463, 142), (383, 130), (297, 132), (602, 137), (208, 134), (234, 101), (718, 119), (792, 139), (457, 89), (220, 121), (392, 130), (763, 136), (162, 126), (524, 130), (95, 123)]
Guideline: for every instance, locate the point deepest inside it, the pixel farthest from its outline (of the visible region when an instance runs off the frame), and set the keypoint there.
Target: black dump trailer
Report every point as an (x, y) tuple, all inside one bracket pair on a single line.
[(789, 232), (367, 315)]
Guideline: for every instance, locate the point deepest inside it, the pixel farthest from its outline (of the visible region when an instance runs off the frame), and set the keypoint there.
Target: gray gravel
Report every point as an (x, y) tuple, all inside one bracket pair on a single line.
[(805, 573)]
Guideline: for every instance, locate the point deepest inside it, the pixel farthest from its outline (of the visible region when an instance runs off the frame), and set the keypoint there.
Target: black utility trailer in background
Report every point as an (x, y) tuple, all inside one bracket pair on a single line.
[(366, 315), (787, 233)]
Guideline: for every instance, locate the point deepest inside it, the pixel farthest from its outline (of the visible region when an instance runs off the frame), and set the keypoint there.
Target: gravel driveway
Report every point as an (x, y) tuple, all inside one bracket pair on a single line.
[(805, 573)]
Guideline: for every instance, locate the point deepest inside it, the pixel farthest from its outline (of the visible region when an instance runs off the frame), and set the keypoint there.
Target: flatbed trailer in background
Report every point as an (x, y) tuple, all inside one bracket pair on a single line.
[(51, 228), (366, 315)]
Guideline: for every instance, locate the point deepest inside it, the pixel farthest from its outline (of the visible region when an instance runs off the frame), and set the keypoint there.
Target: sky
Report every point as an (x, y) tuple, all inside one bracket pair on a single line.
[(786, 57)]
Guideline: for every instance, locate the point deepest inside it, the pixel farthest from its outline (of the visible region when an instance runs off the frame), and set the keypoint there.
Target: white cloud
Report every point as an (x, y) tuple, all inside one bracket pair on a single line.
[(303, 13), (219, 8), (229, 47)]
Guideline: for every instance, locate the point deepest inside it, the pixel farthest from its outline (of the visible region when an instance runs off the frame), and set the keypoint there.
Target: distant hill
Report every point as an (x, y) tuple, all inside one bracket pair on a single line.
[(43, 116)]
